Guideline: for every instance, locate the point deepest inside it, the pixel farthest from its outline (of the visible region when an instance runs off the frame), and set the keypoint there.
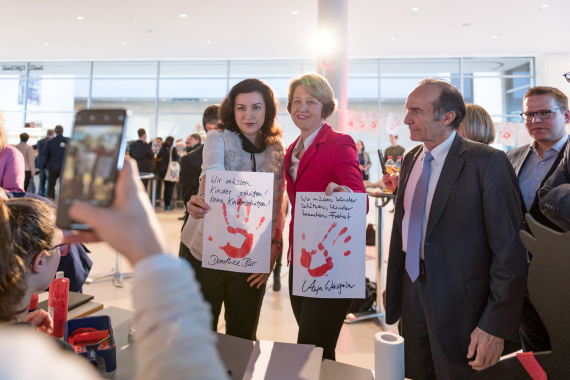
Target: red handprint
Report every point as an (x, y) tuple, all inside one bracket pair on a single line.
[(307, 257), (243, 251)]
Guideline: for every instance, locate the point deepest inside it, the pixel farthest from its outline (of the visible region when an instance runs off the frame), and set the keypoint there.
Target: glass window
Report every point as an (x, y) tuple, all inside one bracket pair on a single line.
[(362, 89), (264, 69), (49, 120), (13, 120), (12, 94), (125, 69), (419, 67), (136, 121), (494, 66), (190, 95), (198, 69), (60, 69), (12, 69), (137, 95), (57, 94), (179, 126), (362, 68), (278, 85)]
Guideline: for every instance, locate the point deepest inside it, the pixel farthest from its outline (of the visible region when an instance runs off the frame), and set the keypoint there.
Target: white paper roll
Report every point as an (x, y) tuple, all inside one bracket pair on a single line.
[(389, 356)]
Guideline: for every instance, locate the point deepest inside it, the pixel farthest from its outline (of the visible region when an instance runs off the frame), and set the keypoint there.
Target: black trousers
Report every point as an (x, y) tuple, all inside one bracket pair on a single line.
[(52, 180), (242, 303), (320, 319), (534, 336), (168, 189), (27, 180)]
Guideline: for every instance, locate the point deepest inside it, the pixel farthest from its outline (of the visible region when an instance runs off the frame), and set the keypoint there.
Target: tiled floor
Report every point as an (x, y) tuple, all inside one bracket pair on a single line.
[(277, 323)]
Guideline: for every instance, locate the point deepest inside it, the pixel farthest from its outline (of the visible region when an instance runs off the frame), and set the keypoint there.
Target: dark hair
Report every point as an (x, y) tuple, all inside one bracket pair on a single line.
[(396, 136), (141, 132), (50, 132), (559, 97), (26, 229), (450, 100), (196, 136), (58, 130), (210, 113), (24, 137), (159, 138), (363, 148), (168, 142), (270, 131)]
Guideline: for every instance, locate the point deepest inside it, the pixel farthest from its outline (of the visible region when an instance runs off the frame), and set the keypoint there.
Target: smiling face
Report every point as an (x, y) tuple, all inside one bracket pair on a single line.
[(306, 110), (249, 110), (549, 130), (420, 117)]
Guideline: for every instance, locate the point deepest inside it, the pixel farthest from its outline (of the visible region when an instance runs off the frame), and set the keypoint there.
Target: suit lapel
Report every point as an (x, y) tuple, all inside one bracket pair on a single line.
[(522, 159), (409, 162), (322, 137), (449, 174)]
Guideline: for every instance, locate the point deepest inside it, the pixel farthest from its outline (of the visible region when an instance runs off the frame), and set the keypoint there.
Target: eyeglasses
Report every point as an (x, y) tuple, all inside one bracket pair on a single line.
[(567, 76), (62, 248), (543, 114)]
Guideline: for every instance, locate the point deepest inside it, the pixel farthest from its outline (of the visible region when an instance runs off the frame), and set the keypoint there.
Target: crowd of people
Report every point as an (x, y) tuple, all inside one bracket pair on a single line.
[(457, 267)]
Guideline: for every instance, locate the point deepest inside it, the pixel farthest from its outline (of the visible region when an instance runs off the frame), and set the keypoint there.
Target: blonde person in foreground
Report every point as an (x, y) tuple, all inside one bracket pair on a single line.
[(174, 340)]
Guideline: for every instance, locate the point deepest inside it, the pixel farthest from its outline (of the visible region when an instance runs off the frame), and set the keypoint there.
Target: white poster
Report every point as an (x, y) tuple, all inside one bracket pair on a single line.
[(361, 122), (523, 136), (392, 124), (237, 228), (375, 123), (506, 133), (329, 245)]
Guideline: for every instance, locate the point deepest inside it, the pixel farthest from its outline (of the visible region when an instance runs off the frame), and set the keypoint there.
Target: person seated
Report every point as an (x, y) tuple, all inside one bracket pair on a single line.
[(167, 301)]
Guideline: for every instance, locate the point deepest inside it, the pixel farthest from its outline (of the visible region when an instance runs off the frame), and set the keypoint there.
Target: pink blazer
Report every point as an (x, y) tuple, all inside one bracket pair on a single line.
[(12, 169), (331, 158)]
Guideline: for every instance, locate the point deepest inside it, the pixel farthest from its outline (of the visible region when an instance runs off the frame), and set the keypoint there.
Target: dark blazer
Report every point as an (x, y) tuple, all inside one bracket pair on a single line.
[(475, 261), (165, 159), (190, 170), (40, 146), (55, 151), (142, 153), (554, 197), (518, 157), (330, 158)]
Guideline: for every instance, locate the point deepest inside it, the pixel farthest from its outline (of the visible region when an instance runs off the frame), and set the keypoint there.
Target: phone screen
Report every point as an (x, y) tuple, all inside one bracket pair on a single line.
[(94, 155)]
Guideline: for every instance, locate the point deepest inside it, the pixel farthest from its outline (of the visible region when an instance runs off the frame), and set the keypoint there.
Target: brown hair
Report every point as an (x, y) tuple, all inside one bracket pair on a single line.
[(210, 113), (477, 125), (559, 97), (3, 137), (270, 130), (58, 130), (26, 229), (318, 87), (450, 100)]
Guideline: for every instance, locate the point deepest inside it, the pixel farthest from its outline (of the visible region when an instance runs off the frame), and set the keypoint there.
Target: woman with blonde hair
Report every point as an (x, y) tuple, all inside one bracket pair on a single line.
[(477, 125), (12, 164)]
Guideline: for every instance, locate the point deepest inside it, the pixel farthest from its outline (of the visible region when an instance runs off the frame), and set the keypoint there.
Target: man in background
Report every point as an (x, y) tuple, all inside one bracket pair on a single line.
[(28, 153), (193, 141), (394, 149), (40, 163), (141, 152), (53, 158)]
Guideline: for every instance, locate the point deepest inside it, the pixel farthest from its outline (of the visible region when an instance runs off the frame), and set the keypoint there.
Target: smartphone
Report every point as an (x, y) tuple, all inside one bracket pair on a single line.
[(93, 157), (382, 164)]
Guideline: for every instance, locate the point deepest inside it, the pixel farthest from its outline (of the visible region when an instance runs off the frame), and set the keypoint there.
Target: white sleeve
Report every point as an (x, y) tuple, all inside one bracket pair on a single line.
[(213, 152), (173, 322)]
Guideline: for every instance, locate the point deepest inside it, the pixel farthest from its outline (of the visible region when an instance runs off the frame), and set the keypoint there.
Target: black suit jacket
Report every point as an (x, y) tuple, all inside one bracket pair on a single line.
[(518, 157), (554, 197), (475, 261), (55, 151), (142, 153), (190, 170), (40, 146)]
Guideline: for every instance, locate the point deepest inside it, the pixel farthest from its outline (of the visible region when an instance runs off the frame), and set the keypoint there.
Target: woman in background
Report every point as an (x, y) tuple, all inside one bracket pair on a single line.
[(166, 153), (12, 164), (363, 160), (477, 125)]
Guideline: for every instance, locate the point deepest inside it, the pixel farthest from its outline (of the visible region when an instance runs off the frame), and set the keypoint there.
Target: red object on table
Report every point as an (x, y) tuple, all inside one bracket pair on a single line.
[(57, 304), (33, 303), (95, 337)]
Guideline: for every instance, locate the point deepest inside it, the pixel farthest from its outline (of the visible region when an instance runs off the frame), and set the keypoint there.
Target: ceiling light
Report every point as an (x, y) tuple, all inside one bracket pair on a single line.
[(208, 42), (494, 36), (323, 43), (415, 9), (124, 43), (45, 44), (295, 12), (80, 18), (545, 6), (129, 112), (183, 15), (393, 38)]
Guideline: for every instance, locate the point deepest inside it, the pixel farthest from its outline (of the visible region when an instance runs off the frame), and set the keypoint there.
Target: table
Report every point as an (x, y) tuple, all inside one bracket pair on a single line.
[(234, 352), (153, 179), (80, 311), (379, 312)]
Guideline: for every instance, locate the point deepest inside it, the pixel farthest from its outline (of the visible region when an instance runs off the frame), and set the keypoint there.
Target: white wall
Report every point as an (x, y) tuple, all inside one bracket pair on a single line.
[(549, 70)]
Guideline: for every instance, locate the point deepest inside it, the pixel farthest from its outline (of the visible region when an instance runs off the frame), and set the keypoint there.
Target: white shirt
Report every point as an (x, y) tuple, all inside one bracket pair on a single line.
[(300, 143), (439, 154)]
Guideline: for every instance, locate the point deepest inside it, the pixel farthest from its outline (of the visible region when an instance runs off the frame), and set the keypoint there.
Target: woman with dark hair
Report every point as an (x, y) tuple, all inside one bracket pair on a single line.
[(363, 160), (248, 139), (166, 153)]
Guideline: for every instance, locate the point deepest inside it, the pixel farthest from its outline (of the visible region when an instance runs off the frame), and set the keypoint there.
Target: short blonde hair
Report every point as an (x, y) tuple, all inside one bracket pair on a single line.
[(3, 137), (318, 87), (477, 125)]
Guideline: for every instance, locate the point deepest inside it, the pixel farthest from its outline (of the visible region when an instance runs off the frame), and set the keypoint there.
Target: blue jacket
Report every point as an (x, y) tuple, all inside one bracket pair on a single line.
[(40, 146), (54, 151)]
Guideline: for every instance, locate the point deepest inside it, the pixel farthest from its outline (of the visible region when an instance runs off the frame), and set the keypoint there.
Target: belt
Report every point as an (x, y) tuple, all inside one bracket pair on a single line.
[(422, 267)]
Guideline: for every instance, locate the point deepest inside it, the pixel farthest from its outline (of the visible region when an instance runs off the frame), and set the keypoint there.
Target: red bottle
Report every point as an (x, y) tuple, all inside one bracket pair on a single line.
[(33, 303), (57, 303)]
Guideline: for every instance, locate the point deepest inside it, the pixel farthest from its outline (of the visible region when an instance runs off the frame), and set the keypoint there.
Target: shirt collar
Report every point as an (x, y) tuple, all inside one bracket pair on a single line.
[(439, 153), (306, 143), (557, 147)]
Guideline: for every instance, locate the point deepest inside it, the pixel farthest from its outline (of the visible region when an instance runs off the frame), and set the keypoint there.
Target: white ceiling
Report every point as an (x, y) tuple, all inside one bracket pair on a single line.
[(153, 29)]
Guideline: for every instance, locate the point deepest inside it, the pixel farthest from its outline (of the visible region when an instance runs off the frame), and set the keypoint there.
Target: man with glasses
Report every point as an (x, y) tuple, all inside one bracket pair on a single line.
[(545, 115)]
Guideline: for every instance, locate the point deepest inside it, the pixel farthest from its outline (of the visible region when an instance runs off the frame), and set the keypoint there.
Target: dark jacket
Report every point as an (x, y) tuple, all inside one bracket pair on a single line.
[(190, 170), (165, 159), (55, 151), (141, 152), (40, 146), (518, 157), (554, 197), (475, 261), (192, 148)]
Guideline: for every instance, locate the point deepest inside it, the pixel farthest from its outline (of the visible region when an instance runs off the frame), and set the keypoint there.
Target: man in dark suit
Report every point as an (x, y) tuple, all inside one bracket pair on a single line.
[(53, 158), (40, 164), (457, 267), (142, 154), (545, 114), (193, 142)]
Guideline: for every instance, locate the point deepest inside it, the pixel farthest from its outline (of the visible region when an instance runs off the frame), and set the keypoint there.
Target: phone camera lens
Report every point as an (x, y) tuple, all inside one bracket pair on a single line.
[(106, 118), (121, 118), (78, 117), (92, 117)]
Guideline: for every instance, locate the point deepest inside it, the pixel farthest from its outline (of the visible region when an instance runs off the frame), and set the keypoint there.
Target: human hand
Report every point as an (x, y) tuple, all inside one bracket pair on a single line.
[(307, 257), (129, 225), (391, 181), (361, 167), (197, 206), (40, 320), (334, 188), (488, 348), (261, 278)]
